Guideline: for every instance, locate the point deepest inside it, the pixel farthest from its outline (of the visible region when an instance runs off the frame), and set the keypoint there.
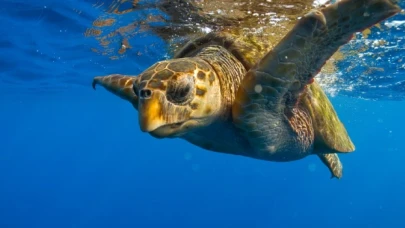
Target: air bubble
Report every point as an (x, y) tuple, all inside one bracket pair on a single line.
[(258, 88)]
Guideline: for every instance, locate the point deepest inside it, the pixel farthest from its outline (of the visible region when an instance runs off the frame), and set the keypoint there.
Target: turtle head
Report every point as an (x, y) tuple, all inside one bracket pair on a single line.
[(177, 96), (173, 97)]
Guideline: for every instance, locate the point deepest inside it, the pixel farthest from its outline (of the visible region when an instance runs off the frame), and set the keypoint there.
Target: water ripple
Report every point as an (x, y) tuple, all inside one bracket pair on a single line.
[(44, 46)]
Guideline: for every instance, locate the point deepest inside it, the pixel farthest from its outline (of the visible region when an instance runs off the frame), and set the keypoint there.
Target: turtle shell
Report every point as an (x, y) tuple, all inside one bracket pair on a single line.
[(330, 133)]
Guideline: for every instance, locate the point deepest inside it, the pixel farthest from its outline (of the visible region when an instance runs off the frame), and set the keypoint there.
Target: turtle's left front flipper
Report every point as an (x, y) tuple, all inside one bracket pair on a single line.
[(284, 72), (120, 85)]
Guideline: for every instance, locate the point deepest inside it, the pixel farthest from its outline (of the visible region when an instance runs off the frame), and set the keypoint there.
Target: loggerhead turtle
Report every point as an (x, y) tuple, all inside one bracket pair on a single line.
[(219, 94)]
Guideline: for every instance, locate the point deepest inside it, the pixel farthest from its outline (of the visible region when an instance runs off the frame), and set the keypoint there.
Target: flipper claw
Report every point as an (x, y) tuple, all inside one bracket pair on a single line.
[(94, 83)]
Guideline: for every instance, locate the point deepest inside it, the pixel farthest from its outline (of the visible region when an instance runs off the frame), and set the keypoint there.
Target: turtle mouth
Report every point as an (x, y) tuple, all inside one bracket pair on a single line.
[(174, 130), (175, 125), (168, 130)]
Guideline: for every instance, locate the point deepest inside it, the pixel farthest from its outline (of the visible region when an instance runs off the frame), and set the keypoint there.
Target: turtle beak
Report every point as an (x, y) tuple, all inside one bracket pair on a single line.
[(150, 111)]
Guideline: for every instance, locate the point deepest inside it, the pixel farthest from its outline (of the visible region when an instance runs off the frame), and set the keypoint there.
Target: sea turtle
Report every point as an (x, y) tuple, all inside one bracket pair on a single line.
[(220, 94)]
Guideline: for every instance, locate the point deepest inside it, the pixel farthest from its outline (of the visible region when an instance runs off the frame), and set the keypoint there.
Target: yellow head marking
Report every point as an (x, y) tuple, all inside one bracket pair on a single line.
[(151, 116)]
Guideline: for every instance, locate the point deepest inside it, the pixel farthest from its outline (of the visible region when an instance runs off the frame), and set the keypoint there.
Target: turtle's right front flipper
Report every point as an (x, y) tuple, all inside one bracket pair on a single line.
[(120, 85), (284, 72)]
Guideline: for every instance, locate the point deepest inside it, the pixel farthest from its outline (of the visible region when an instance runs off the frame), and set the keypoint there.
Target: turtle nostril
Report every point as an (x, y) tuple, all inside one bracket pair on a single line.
[(145, 93)]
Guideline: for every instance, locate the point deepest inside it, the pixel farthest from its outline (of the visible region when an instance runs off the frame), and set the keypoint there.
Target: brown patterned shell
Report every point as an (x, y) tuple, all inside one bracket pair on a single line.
[(329, 130), (330, 133)]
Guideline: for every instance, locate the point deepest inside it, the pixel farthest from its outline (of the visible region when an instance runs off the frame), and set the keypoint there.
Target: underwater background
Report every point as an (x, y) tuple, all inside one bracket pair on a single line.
[(74, 157)]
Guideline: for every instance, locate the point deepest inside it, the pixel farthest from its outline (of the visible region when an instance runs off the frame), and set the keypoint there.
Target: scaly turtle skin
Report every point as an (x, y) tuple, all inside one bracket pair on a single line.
[(220, 94)]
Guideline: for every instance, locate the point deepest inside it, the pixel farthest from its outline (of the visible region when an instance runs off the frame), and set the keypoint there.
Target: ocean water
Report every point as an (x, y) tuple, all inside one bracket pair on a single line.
[(74, 157)]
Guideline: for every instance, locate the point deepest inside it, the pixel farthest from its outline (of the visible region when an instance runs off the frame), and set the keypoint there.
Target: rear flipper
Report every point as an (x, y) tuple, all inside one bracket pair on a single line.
[(333, 163)]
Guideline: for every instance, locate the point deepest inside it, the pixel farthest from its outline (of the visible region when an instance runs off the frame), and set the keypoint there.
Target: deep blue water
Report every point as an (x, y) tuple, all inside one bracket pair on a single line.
[(74, 157)]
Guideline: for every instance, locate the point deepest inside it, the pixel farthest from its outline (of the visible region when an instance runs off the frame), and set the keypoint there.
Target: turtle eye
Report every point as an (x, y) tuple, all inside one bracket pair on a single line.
[(180, 91)]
